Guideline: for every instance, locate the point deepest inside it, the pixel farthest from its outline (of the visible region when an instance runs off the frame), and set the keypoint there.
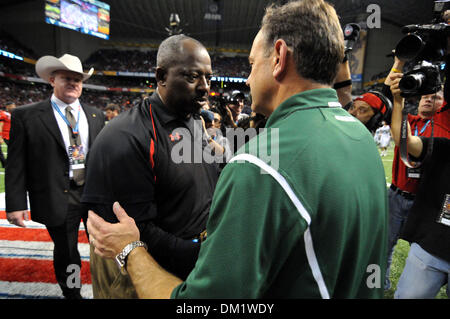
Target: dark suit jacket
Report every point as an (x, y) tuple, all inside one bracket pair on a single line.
[(38, 163)]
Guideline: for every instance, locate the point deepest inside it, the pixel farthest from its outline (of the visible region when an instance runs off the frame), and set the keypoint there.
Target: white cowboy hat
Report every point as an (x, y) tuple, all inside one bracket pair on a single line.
[(46, 65)]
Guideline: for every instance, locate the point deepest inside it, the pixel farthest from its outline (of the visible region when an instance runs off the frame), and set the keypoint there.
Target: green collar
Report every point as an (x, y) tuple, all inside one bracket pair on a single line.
[(311, 98)]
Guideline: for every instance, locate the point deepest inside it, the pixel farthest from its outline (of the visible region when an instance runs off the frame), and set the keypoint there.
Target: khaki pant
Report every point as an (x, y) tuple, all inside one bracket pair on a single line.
[(107, 281)]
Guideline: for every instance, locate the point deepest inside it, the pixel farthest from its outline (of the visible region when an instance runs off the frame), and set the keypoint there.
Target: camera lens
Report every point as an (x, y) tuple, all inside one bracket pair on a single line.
[(411, 82), (409, 47)]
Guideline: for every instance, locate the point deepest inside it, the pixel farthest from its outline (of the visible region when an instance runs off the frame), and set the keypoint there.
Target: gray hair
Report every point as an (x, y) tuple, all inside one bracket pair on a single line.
[(170, 49), (312, 30)]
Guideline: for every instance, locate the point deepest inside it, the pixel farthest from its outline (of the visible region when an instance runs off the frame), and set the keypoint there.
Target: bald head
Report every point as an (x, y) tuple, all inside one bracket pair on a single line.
[(172, 50), (183, 74)]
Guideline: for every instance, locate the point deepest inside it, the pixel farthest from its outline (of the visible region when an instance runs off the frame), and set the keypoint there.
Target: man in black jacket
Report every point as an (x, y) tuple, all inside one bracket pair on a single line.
[(48, 145), (150, 159)]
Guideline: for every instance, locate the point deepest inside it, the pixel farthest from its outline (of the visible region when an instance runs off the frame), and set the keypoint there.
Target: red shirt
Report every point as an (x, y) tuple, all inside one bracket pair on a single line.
[(420, 127), (5, 117)]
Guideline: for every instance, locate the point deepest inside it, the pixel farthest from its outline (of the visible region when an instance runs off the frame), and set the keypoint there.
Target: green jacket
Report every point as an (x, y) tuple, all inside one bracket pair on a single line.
[(319, 229)]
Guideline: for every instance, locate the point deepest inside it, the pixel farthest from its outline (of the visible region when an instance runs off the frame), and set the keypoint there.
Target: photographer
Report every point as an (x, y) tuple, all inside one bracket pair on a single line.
[(231, 109), (432, 119), (212, 123), (370, 109), (405, 181), (428, 225)]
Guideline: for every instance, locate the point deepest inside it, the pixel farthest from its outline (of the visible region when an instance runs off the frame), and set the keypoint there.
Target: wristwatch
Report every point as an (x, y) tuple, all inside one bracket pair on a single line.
[(121, 258)]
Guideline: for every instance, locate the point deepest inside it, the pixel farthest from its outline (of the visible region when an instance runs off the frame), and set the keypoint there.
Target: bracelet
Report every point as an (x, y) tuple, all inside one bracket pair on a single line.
[(121, 258), (396, 70)]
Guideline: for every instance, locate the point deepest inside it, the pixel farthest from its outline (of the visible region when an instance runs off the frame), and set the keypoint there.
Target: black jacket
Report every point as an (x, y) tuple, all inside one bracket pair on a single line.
[(38, 163), (422, 225), (131, 162)]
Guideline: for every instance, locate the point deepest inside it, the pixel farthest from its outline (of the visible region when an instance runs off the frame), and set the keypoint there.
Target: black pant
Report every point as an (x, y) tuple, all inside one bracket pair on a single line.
[(65, 239)]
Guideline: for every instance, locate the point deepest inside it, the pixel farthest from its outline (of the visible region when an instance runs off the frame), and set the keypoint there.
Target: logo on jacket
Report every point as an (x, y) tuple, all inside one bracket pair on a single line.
[(175, 137)]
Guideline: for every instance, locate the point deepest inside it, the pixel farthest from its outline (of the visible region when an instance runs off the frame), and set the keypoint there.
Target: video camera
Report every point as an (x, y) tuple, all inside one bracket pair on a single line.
[(426, 46), (221, 102)]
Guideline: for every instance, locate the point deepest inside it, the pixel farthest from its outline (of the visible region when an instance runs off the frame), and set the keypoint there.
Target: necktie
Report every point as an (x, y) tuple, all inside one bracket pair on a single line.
[(75, 140)]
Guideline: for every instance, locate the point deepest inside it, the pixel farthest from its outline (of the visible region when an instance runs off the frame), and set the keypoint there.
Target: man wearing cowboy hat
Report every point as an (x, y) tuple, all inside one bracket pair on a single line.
[(49, 141)]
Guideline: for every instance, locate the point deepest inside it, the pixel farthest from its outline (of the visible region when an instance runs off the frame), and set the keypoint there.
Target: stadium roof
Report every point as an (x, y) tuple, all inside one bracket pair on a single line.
[(146, 20), (240, 19)]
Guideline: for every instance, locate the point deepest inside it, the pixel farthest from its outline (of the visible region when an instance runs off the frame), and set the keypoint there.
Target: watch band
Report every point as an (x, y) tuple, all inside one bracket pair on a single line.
[(121, 258)]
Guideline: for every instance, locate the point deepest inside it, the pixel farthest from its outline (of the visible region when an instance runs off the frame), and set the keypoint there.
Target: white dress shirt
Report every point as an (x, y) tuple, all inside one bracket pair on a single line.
[(83, 127)]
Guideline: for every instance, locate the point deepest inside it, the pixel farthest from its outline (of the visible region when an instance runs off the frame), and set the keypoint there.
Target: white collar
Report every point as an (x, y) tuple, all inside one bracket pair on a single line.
[(62, 104)]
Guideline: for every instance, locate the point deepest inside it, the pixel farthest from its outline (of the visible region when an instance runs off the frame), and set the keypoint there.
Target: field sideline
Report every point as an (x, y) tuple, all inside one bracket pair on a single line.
[(401, 250)]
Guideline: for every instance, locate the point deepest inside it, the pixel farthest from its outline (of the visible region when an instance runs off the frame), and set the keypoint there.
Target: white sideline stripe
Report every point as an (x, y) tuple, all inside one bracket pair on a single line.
[(30, 224), (2, 201), (35, 250), (309, 248), (24, 290)]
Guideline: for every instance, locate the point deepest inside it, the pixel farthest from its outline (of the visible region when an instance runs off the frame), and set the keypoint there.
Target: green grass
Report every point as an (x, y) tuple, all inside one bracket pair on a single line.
[(402, 248)]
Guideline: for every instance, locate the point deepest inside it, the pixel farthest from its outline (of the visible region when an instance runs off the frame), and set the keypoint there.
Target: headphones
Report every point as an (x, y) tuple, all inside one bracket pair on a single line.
[(382, 115)]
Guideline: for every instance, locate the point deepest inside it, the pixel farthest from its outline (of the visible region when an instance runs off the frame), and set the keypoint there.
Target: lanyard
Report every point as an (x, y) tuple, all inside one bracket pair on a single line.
[(423, 128), (74, 130)]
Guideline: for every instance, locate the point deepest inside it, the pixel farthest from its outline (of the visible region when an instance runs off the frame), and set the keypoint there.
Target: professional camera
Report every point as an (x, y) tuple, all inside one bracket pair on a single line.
[(235, 97), (221, 102), (423, 79), (426, 46)]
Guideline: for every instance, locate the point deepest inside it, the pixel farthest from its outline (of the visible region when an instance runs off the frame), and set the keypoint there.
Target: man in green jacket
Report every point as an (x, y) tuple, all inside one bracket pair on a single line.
[(301, 210)]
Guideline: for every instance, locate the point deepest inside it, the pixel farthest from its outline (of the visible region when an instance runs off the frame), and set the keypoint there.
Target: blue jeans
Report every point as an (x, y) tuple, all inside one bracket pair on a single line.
[(399, 208), (423, 275)]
